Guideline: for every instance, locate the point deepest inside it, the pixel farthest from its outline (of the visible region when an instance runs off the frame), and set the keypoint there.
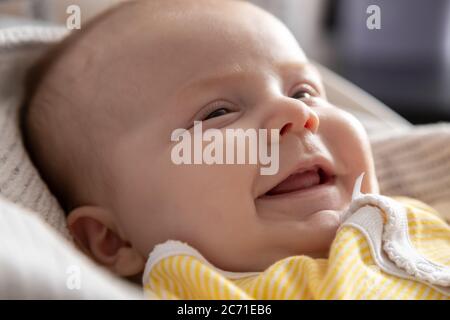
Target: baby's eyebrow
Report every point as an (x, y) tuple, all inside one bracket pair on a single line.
[(304, 71), (230, 73)]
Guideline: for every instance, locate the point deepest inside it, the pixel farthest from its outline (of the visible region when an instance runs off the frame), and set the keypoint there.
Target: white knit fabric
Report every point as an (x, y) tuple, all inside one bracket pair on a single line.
[(19, 180), (368, 219)]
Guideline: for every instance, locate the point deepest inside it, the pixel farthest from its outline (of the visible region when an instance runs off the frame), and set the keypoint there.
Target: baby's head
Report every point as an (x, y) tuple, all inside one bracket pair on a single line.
[(101, 116)]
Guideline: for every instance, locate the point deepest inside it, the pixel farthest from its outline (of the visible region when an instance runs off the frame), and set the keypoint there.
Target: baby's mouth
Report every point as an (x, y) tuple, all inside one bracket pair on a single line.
[(303, 179)]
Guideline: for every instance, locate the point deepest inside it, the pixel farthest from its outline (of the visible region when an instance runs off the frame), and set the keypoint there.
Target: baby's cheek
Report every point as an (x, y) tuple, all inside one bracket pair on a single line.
[(347, 141), (345, 131)]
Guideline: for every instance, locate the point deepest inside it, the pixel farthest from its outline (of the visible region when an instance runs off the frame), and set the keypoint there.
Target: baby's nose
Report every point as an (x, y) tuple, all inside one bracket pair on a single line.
[(290, 115)]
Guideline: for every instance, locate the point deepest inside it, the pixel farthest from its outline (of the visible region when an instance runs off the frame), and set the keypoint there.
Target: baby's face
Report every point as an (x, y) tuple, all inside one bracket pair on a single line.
[(232, 69)]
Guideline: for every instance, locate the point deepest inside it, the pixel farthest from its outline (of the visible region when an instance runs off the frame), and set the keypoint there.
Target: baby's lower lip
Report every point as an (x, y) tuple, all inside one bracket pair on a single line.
[(304, 183), (308, 180), (304, 202)]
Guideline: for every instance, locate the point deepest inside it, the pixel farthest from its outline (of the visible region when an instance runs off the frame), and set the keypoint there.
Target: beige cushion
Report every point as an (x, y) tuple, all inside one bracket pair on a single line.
[(416, 163)]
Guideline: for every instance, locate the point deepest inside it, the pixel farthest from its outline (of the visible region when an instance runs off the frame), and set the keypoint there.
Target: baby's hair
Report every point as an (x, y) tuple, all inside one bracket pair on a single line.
[(42, 110)]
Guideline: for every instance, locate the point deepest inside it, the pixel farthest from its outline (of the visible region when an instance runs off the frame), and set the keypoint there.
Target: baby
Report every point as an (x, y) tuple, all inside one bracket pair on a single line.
[(102, 108)]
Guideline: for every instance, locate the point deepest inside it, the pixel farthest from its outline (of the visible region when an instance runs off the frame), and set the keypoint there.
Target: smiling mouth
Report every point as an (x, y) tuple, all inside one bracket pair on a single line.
[(303, 180)]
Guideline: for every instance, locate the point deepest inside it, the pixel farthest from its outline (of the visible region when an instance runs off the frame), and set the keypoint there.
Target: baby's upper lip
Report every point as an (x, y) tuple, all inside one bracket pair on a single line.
[(307, 163)]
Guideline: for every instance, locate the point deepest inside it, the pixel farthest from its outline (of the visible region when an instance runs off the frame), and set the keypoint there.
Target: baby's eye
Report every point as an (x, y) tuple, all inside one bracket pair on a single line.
[(217, 113), (305, 92), (301, 94)]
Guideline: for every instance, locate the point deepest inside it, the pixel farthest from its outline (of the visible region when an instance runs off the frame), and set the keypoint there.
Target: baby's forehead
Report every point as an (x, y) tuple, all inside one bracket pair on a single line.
[(206, 37), (187, 26)]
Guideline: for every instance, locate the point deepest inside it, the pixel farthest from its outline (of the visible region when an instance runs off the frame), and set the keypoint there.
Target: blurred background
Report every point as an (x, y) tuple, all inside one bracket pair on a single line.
[(405, 63)]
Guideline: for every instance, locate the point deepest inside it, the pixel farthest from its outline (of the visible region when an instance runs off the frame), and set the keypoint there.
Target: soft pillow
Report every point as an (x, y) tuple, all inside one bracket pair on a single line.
[(19, 180)]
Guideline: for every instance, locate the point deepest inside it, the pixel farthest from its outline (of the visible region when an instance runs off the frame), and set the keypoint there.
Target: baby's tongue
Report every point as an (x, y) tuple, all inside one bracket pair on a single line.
[(298, 181)]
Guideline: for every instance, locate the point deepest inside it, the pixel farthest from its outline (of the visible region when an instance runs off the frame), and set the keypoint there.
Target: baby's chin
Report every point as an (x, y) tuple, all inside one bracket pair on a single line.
[(321, 229), (326, 219)]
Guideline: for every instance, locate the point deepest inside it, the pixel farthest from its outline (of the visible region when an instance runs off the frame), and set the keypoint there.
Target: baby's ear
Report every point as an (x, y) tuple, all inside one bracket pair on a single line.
[(95, 232)]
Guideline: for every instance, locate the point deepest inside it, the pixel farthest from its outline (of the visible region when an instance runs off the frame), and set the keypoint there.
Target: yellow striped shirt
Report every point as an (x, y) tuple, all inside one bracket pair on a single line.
[(350, 272)]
